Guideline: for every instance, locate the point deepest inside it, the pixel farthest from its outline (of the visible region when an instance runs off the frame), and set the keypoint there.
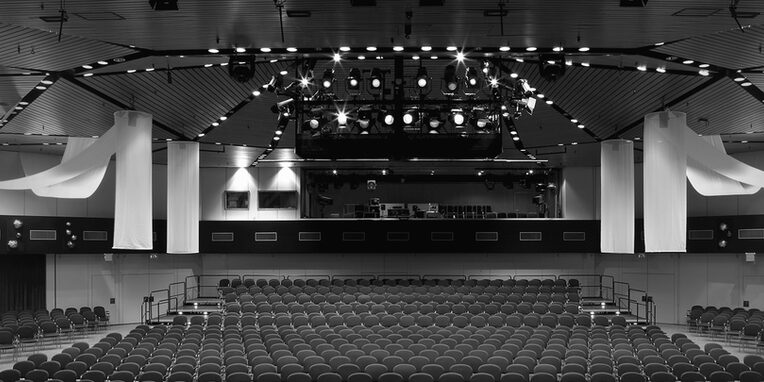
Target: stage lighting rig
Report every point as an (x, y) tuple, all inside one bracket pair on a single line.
[(377, 79), (551, 66), (327, 81), (422, 79), (450, 80), (354, 80), (277, 82)]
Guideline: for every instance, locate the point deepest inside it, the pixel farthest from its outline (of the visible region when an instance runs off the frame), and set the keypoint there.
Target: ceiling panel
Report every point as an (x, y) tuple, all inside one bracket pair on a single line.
[(729, 48), (334, 22), (40, 50), (13, 89), (723, 108), (606, 100), (194, 99)]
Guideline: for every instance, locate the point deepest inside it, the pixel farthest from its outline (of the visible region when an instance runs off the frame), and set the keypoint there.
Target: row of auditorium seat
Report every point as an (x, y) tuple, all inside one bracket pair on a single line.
[(743, 325), (26, 329), (355, 353), (287, 282)]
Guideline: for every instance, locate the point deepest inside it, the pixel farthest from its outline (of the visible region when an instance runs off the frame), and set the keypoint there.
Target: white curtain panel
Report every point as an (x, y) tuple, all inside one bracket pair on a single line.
[(81, 186), (665, 182), (617, 196), (700, 151), (132, 207), (711, 183), (182, 197)]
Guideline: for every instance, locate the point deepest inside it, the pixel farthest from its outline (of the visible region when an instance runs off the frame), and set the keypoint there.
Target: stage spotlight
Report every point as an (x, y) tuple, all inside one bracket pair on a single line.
[(317, 119), (364, 120), (284, 107), (327, 81), (277, 82), (450, 79), (457, 117), (433, 121), (354, 79), (342, 119), (551, 66), (471, 79), (387, 117), (410, 117), (422, 80), (377, 78), (241, 68)]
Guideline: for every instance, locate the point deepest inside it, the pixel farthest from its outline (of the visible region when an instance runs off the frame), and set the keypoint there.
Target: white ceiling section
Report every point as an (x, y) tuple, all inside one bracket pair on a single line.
[(609, 95)]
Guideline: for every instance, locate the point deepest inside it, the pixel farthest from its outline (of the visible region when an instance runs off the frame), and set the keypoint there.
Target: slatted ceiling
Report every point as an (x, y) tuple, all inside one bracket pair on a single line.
[(64, 109), (12, 89), (632, 61), (160, 62), (37, 49), (605, 100), (756, 78), (539, 23), (727, 107), (546, 127), (730, 48), (196, 97)]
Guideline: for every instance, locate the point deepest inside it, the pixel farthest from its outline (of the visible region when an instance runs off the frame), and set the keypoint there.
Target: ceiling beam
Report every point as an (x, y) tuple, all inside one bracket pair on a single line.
[(116, 102)]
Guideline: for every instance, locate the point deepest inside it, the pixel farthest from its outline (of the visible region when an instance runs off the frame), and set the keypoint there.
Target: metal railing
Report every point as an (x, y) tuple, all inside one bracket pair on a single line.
[(151, 308), (637, 301)]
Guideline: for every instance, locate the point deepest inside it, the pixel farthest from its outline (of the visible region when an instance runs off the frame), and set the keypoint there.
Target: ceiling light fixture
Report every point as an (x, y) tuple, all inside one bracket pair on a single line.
[(241, 50), (504, 49), (451, 48), (291, 49), (531, 49), (344, 49), (103, 63), (265, 50), (660, 69), (398, 48), (426, 48), (88, 67), (583, 49), (371, 48), (337, 57), (213, 50)]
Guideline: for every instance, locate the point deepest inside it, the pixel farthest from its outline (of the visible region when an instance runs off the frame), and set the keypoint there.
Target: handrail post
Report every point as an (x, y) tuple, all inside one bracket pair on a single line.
[(601, 295), (168, 300)]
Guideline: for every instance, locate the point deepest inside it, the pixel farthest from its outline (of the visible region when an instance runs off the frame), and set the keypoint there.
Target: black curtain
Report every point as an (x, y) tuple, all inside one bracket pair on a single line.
[(22, 282)]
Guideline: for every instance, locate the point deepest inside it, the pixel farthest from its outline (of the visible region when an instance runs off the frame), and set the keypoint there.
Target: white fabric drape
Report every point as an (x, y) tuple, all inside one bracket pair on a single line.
[(182, 197), (81, 186), (711, 183), (132, 205), (665, 182), (714, 160), (617, 196)]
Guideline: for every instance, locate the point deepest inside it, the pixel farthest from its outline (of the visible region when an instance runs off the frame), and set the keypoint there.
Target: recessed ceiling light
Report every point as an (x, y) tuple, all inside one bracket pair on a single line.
[(223, 118), (344, 49), (739, 79), (45, 143), (415, 57), (703, 72), (433, 57), (451, 48), (688, 62), (87, 74), (291, 49), (586, 64), (574, 120), (150, 69), (703, 65), (273, 60), (241, 50), (549, 102), (213, 50), (88, 67), (519, 59), (283, 72), (361, 57), (581, 126), (265, 50), (504, 48), (207, 65), (515, 138), (129, 71), (746, 84), (660, 69), (215, 124), (659, 43), (426, 48), (23, 103), (583, 49), (557, 49), (223, 64), (256, 93), (642, 68), (540, 95), (514, 75), (19, 107), (398, 48), (743, 141), (46, 82), (379, 57), (531, 48), (560, 144), (574, 143), (200, 135), (218, 143), (103, 63), (371, 48)]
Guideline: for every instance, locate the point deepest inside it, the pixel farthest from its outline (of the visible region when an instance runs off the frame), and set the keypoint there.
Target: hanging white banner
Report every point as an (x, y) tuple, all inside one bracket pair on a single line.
[(182, 197), (617, 196)]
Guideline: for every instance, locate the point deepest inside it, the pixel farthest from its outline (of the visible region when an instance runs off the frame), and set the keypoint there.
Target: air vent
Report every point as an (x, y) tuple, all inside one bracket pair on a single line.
[(574, 236), (700, 234), (486, 236), (398, 236), (99, 16), (441, 236), (530, 236), (696, 12), (42, 234), (222, 236), (309, 236), (354, 236), (750, 234), (266, 236), (95, 236)]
